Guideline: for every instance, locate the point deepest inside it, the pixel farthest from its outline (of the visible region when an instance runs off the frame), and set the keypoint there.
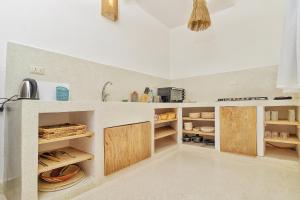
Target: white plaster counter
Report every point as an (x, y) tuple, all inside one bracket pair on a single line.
[(24, 117)]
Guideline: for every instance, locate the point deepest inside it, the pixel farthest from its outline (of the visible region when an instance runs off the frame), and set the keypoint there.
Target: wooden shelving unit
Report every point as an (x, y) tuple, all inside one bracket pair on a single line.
[(73, 149), (164, 144), (290, 140), (198, 122), (285, 149), (283, 122), (282, 154), (197, 119), (198, 132), (73, 156), (164, 121), (46, 141), (164, 132)]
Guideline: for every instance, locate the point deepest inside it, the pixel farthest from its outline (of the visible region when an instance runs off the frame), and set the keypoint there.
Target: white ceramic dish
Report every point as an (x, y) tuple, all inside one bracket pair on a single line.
[(207, 129), (208, 115), (195, 115)]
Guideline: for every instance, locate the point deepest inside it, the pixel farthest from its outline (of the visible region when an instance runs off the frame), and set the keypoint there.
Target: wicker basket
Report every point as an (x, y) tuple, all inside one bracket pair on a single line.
[(61, 130)]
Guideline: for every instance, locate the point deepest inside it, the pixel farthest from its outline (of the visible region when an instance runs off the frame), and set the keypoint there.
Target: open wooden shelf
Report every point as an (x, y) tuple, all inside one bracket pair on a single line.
[(198, 132), (290, 140), (282, 154), (165, 121), (203, 145), (164, 144), (283, 122), (77, 189), (46, 141), (164, 132), (197, 119), (77, 156)]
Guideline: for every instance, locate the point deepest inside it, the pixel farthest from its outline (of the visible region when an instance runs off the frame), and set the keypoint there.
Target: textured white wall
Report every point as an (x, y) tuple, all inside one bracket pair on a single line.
[(247, 35), (74, 27), (137, 42), (2, 80)]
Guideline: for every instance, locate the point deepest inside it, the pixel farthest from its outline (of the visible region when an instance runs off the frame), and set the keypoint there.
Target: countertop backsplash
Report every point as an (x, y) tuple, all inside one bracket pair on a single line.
[(85, 78)]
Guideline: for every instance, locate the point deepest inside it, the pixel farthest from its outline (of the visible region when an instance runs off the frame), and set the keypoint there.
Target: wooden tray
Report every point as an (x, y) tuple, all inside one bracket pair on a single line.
[(51, 187)]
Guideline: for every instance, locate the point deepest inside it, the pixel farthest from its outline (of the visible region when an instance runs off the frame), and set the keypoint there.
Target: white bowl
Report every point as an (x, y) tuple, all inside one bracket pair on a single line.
[(208, 115), (207, 129)]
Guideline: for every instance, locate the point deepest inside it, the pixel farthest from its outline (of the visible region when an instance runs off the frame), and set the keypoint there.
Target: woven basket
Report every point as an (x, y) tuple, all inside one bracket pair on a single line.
[(61, 130)]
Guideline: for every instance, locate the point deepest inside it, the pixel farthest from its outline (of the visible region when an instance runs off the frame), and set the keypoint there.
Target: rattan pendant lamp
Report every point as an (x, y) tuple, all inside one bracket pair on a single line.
[(200, 19)]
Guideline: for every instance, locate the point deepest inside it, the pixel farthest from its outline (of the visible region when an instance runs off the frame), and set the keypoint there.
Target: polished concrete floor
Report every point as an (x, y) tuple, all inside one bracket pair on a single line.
[(196, 174)]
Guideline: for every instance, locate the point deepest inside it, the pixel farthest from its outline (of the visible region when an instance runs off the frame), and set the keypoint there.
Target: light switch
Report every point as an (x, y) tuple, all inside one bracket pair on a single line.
[(37, 70)]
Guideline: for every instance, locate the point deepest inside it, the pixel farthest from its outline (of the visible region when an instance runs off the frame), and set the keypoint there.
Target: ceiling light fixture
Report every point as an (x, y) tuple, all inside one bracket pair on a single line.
[(200, 19)]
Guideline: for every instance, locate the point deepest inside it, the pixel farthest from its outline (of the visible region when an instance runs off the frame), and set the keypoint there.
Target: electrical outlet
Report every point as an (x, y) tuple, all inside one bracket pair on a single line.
[(37, 70)]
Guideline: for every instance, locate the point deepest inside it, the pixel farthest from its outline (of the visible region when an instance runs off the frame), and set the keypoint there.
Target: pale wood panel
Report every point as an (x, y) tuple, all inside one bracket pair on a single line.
[(46, 141), (290, 140), (199, 133), (73, 156), (164, 132), (139, 142), (126, 145), (164, 121), (116, 148), (110, 9), (283, 122), (197, 119), (238, 130)]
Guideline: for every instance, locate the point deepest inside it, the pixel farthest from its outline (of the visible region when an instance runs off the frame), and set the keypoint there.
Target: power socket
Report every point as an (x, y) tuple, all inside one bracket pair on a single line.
[(37, 70)]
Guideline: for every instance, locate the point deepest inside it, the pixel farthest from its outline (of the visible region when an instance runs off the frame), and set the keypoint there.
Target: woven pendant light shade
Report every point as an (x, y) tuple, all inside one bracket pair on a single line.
[(200, 19)]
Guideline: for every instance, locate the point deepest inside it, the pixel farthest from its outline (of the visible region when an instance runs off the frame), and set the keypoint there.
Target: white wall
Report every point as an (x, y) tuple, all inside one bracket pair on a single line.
[(247, 35), (2, 80), (136, 42)]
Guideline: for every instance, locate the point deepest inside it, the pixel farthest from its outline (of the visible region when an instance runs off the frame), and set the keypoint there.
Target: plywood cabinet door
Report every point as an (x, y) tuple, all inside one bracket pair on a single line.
[(238, 130), (116, 148), (126, 145), (139, 142)]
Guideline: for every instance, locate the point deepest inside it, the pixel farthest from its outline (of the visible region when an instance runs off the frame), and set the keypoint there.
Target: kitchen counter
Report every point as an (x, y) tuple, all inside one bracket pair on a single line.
[(50, 106), (24, 117)]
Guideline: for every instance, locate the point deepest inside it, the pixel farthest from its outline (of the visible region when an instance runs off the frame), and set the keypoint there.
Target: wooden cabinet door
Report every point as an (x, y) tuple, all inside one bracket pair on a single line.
[(238, 130), (116, 148), (139, 142), (126, 145)]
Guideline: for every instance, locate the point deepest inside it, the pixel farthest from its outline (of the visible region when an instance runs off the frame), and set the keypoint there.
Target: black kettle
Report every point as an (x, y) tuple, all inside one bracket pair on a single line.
[(29, 89)]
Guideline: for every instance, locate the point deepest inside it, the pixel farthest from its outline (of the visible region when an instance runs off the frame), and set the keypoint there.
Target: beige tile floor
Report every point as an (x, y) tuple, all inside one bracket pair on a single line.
[(196, 174)]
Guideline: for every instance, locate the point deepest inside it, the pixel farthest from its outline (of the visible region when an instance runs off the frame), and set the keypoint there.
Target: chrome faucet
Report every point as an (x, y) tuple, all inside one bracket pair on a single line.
[(104, 93)]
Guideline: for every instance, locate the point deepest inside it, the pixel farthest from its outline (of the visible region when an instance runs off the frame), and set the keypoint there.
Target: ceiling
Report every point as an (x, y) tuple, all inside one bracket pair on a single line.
[(175, 13)]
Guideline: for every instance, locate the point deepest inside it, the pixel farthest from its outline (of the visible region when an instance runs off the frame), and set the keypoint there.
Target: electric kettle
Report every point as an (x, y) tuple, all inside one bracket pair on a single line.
[(29, 89)]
